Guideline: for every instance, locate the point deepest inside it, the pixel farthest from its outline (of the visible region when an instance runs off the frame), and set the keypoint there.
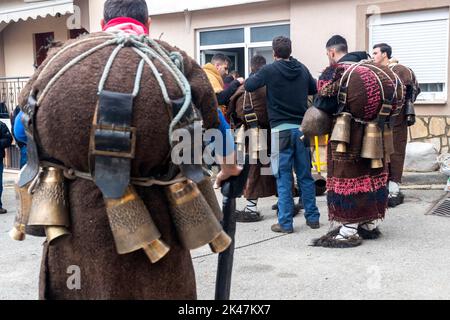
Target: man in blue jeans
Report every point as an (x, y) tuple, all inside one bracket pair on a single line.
[(289, 83)]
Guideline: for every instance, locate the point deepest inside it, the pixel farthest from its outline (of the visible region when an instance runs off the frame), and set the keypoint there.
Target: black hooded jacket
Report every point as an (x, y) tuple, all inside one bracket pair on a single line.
[(289, 83)]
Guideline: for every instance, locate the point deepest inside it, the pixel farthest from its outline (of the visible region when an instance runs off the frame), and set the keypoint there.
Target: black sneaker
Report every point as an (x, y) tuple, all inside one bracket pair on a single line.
[(247, 217), (277, 228), (396, 200), (313, 225), (3, 211), (297, 209)]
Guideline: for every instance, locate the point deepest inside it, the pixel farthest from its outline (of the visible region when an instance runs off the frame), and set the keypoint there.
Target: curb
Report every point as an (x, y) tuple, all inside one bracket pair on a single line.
[(424, 178)]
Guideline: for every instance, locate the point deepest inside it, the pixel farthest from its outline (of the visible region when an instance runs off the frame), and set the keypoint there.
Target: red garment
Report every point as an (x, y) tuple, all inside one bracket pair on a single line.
[(128, 25)]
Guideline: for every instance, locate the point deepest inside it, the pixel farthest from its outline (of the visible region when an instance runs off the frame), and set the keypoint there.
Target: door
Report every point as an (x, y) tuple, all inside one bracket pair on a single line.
[(41, 45)]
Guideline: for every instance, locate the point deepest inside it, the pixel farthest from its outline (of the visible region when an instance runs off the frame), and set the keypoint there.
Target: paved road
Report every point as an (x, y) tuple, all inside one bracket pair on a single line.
[(410, 261)]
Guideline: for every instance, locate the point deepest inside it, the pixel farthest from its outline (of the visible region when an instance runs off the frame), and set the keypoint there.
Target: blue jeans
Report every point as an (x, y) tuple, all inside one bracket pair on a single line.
[(23, 156), (290, 152)]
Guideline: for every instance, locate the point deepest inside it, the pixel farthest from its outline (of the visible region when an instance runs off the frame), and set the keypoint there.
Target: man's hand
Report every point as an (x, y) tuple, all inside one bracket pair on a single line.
[(227, 171), (241, 80)]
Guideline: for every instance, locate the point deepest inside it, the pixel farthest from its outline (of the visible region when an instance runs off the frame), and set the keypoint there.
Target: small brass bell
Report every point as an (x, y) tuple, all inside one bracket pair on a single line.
[(49, 207), (253, 144), (373, 145), (341, 131), (133, 228), (194, 219), (18, 232), (240, 139)]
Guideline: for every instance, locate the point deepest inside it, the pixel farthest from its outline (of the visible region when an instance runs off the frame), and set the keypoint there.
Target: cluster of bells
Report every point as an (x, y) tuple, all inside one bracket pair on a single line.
[(257, 142), (377, 144), (193, 207)]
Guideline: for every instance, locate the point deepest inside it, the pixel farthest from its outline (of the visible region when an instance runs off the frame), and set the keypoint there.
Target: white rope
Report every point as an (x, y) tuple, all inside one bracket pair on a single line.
[(158, 77), (60, 52), (152, 50), (70, 65)]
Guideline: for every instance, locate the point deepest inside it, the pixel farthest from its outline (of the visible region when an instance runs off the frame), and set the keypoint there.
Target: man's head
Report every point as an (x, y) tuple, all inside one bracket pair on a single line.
[(135, 9), (257, 63), (382, 53), (222, 63), (282, 48), (337, 47)]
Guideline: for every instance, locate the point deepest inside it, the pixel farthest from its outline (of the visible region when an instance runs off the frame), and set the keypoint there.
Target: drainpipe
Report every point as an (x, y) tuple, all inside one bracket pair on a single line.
[(187, 20)]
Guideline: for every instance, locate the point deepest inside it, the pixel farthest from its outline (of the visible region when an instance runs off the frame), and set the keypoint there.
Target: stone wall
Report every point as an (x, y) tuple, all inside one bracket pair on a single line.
[(432, 129)]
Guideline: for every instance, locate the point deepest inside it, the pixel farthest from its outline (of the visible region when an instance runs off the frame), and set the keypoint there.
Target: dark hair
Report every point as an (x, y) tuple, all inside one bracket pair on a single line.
[(282, 47), (135, 9), (235, 73), (257, 63), (339, 43), (384, 48), (220, 57)]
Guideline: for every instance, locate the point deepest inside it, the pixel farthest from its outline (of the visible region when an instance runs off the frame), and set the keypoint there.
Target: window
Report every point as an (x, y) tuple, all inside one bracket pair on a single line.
[(222, 37), (241, 44), (262, 34), (419, 40)]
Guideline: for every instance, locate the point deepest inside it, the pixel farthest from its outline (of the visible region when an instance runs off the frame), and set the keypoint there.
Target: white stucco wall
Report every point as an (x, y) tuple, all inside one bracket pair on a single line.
[(18, 43), (2, 56)]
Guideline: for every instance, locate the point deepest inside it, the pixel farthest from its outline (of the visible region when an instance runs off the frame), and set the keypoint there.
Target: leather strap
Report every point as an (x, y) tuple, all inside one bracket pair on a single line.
[(250, 117), (113, 143), (191, 121), (31, 169)]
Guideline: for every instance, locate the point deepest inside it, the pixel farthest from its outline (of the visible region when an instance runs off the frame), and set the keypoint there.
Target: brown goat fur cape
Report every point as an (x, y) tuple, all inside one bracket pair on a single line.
[(258, 185), (63, 125)]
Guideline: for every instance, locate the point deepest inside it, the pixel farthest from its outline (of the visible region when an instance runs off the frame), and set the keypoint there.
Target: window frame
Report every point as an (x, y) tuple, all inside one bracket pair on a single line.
[(421, 15), (247, 44)]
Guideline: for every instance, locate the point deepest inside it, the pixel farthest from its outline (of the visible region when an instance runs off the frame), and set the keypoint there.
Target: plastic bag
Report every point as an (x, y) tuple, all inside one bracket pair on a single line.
[(444, 163)]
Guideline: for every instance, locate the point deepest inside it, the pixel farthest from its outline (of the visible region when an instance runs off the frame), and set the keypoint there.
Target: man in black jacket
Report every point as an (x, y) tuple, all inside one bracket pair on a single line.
[(288, 83), (5, 142)]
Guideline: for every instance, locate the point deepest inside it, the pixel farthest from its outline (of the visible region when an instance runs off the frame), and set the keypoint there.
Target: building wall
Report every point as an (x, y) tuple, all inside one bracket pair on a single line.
[(2, 56), (95, 15), (84, 13), (362, 37), (19, 42), (180, 30)]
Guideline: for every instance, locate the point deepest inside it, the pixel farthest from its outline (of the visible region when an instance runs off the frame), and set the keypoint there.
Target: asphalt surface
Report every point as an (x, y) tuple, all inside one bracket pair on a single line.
[(410, 261)]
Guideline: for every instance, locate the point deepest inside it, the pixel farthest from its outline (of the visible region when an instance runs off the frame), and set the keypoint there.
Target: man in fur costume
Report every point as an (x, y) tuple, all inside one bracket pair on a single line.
[(357, 192), (258, 185), (63, 123), (382, 54)]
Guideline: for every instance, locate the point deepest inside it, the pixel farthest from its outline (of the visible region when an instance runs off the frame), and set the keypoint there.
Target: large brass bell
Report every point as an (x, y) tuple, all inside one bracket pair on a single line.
[(388, 139), (133, 228), (49, 208), (18, 232), (341, 131), (207, 190), (193, 218), (257, 143), (240, 140), (373, 145), (253, 148)]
